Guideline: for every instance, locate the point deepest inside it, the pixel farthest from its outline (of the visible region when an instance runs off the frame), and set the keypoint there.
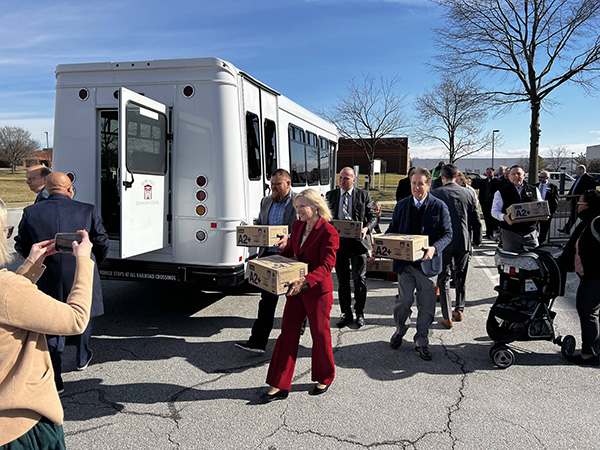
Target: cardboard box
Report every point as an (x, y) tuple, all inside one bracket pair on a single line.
[(527, 212), (380, 265), (271, 273), (259, 235), (350, 229), (405, 247)]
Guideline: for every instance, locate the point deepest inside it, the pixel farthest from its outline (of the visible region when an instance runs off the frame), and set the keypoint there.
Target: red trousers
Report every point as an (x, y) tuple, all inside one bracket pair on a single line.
[(283, 361)]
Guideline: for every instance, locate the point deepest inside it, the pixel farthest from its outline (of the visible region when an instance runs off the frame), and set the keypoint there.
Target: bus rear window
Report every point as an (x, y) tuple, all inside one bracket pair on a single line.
[(146, 141)]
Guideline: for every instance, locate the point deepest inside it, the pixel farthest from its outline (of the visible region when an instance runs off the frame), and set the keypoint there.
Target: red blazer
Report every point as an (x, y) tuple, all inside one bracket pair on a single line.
[(318, 252)]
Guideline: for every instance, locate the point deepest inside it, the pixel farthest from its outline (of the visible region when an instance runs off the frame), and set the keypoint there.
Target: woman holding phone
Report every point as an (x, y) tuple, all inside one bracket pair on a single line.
[(31, 414)]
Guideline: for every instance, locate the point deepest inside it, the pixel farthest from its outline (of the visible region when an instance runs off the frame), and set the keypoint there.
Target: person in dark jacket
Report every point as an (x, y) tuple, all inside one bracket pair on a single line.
[(516, 237), (40, 222), (420, 214), (581, 256), (403, 189), (466, 227), (549, 192), (583, 182)]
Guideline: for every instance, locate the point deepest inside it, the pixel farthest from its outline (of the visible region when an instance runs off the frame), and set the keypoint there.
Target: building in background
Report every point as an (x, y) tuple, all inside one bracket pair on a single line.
[(393, 152)]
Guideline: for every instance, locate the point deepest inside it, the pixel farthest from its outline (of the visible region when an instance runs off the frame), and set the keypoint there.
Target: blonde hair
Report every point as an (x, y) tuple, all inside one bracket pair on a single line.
[(4, 256), (315, 199)]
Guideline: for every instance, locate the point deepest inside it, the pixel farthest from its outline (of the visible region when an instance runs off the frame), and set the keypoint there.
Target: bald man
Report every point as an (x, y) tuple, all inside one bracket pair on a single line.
[(36, 180), (59, 213)]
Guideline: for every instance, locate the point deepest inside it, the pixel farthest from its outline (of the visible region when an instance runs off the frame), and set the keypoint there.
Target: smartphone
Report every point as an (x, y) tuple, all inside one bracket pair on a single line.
[(64, 242)]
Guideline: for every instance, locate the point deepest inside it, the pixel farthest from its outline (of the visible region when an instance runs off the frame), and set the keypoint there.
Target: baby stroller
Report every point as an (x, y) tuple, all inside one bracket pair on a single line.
[(529, 284)]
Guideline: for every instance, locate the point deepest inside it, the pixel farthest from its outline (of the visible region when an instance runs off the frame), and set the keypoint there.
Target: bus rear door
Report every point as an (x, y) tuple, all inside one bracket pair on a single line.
[(143, 165)]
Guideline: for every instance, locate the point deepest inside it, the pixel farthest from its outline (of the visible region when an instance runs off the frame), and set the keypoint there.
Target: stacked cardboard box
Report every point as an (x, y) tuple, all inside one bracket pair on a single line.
[(260, 235), (350, 229), (527, 212), (405, 247), (272, 273)]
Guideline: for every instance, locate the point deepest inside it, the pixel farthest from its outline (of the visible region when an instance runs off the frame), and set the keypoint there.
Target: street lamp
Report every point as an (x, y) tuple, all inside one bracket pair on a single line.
[(47, 143), (493, 135), (572, 157)]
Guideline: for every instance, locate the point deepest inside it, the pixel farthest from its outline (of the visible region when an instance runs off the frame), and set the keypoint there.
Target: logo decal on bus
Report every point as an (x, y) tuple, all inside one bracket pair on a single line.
[(147, 192)]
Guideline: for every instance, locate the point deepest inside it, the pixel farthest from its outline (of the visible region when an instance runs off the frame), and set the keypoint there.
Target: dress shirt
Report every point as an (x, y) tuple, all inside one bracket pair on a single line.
[(340, 206), (543, 188), (498, 203), (276, 217)]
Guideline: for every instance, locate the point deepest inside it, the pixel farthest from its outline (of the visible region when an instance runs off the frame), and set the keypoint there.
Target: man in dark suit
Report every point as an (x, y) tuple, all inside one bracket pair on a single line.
[(275, 209), (466, 226), (349, 203), (41, 221), (549, 192), (487, 188), (425, 215), (582, 183)]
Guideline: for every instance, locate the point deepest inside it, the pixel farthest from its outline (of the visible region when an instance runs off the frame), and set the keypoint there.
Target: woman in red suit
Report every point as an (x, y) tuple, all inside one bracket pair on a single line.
[(315, 242)]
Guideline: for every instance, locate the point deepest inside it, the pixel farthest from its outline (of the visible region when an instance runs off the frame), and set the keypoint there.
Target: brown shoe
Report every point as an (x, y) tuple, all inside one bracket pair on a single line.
[(447, 323), (457, 316)]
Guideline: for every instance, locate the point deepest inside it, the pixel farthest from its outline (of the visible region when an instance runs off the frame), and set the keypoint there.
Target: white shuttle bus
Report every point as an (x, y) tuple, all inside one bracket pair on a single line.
[(175, 154)]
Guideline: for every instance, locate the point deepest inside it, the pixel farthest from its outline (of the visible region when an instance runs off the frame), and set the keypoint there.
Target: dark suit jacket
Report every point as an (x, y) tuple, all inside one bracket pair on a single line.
[(589, 246), (362, 211), (464, 214), (319, 252), (585, 183), (403, 190), (436, 224), (60, 214), (487, 190), (551, 196), (289, 213)]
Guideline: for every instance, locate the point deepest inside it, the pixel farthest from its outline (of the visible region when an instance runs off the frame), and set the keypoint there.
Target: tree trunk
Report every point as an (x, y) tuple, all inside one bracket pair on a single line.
[(534, 144)]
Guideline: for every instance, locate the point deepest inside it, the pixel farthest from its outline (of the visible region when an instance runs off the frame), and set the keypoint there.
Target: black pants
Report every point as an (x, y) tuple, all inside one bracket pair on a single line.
[(56, 346), (588, 309), (264, 322), (544, 229), (461, 258), (491, 224), (357, 259)]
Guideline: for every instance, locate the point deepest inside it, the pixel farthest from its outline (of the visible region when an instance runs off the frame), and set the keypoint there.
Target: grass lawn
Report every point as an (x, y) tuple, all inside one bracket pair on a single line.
[(14, 190)]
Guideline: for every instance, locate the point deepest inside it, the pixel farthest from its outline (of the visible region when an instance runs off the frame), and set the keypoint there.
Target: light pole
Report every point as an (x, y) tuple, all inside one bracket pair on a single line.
[(47, 142), (493, 135), (572, 157)]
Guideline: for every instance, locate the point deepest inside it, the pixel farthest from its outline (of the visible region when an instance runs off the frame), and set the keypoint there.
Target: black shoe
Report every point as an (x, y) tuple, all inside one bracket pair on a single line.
[(579, 360), (424, 352), (345, 321), (396, 341), (318, 391), (85, 366), (250, 347), (279, 395), (360, 321)]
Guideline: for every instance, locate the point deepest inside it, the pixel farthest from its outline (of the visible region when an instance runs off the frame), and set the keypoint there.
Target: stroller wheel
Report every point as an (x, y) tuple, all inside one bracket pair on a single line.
[(567, 346), (494, 347), (502, 356)]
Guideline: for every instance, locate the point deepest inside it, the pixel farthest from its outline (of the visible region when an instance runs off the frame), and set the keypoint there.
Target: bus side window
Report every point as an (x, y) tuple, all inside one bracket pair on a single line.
[(297, 157), (324, 160), (270, 147), (253, 145)]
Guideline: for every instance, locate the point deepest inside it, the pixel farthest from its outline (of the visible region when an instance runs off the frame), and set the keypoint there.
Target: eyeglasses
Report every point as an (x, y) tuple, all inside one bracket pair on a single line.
[(9, 231), (581, 203)]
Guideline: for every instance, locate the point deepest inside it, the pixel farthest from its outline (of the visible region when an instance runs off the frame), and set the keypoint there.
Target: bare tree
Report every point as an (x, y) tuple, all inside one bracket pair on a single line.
[(593, 165), (453, 113), (15, 144), (370, 111), (557, 157), (536, 45), (581, 159)]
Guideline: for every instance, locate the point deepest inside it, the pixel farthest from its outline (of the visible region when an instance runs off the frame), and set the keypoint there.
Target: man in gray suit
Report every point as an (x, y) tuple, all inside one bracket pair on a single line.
[(466, 226), (276, 209)]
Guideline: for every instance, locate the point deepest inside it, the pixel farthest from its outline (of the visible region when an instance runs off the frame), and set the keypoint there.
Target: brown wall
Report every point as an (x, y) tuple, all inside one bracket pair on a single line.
[(394, 151)]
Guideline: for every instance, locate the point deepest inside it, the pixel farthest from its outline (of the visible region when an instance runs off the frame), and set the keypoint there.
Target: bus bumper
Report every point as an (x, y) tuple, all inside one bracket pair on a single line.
[(216, 277)]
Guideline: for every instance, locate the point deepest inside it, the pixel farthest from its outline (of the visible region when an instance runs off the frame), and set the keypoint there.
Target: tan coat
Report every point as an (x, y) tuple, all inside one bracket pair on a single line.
[(27, 389)]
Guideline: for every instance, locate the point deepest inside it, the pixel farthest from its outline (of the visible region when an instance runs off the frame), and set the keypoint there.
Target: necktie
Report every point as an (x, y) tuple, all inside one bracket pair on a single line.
[(418, 205), (345, 208)]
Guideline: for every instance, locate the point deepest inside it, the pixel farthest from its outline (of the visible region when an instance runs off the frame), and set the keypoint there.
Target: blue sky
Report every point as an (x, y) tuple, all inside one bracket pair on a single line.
[(306, 49)]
